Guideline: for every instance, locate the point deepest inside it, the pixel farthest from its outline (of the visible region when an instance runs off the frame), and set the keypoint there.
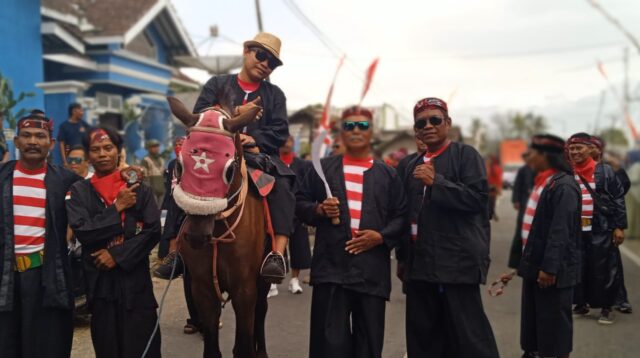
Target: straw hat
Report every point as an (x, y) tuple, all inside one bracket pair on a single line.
[(267, 41)]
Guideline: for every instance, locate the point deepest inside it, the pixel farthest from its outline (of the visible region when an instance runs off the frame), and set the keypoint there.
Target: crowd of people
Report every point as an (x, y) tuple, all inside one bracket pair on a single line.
[(434, 209)]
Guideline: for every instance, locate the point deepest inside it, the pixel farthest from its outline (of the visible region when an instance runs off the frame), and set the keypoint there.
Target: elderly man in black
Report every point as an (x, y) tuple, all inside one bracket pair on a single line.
[(448, 253), (550, 263), (604, 218), (351, 268), (245, 90), (36, 298), (118, 223)]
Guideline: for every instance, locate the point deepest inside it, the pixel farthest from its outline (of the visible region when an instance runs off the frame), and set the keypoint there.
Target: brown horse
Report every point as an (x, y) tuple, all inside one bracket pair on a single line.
[(213, 191)]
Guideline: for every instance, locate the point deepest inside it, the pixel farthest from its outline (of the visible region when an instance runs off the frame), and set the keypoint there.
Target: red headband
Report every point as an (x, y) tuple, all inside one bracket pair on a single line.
[(99, 135), (545, 144), (430, 103), (36, 122), (597, 142), (580, 140), (357, 111)]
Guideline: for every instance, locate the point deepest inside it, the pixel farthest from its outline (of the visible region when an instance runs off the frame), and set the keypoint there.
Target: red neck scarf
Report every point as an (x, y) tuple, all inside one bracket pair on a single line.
[(288, 158), (585, 169), (108, 186), (432, 155), (542, 177), (248, 86)]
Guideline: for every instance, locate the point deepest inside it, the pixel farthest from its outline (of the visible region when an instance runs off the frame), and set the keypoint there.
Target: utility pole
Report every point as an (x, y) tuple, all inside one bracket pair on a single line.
[(625, 89), (259, 15)]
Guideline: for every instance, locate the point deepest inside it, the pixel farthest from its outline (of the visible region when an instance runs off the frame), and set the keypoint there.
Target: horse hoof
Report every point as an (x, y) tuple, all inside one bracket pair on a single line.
[(220, 324)]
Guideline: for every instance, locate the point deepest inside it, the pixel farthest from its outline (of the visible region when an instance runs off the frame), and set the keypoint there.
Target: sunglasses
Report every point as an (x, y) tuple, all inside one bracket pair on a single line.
[(262, 55), (421, 123), (75, 160), (349, 126)]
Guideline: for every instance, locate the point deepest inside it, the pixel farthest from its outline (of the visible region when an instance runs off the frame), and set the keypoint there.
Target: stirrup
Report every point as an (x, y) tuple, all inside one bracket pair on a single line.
[(272, 274)]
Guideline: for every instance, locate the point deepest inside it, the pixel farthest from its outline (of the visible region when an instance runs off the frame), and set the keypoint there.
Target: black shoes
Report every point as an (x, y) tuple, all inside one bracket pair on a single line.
[(581, 310), (625, 307), (163, 270), (273, 268)]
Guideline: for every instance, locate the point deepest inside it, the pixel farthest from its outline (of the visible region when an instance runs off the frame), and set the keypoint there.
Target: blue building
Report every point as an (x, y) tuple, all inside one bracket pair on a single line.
[(109, 56)]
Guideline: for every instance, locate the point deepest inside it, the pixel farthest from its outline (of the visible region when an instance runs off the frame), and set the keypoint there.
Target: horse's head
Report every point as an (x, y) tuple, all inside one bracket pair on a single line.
[(207, 162)]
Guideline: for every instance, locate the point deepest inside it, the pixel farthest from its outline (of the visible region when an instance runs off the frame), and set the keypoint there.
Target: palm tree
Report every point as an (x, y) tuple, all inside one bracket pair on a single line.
[(8, 103)]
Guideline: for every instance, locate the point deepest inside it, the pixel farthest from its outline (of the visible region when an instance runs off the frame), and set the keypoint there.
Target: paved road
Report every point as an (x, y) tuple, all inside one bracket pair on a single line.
[(288, 317)]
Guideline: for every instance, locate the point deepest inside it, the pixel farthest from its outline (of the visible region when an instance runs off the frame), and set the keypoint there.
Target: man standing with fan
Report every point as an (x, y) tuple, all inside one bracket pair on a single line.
[(603, 222)]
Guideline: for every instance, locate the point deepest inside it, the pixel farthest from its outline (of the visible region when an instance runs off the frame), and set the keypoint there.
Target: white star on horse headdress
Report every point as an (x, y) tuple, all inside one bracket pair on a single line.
[(202, 161)]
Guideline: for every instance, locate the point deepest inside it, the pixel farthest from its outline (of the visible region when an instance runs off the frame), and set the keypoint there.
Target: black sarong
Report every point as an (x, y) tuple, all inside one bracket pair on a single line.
[(122, 333), (30, 330), (345, 323), (546, 325), (447, 321)]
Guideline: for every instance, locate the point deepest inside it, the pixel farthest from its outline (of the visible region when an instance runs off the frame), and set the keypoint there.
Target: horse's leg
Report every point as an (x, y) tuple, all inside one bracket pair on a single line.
[(207, 304), (260, 318), (244, 306)]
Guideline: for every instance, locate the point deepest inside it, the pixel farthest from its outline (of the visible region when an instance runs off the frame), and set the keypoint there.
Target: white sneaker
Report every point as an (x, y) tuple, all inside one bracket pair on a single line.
[(273, 291), (294, 286)]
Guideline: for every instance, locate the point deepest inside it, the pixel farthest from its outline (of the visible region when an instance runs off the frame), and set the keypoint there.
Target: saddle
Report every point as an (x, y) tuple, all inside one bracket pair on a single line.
[(258, 165)]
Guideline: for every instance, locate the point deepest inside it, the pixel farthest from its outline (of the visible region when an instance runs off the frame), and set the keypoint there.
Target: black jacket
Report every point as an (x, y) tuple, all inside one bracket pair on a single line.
[(553, 245), (271, 131), (452, 216), (56, 272), (96, 225), (383, 210), (608, 183)]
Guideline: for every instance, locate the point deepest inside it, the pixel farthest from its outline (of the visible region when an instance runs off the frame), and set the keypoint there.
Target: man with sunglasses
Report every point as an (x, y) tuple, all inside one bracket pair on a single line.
[(448, 251), (263, 137), (351, 268)]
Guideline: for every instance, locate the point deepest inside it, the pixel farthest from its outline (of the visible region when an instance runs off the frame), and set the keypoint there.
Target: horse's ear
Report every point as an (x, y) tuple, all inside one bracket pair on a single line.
[(241, 120), (181, 112)]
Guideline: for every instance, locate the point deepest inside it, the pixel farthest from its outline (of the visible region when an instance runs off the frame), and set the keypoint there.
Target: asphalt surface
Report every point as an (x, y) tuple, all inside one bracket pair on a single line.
[(288, 317)]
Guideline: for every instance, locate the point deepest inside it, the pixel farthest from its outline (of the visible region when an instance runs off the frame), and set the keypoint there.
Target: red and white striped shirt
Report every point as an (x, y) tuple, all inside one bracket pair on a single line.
[(29, 203), (587, 200), (530, 212), (353, 180)]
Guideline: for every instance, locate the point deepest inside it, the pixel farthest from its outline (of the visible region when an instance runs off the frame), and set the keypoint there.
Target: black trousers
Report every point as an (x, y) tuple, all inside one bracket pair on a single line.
[(447, 321), (299, 248), (118, 332), (31, 330), (546, 325), (282, 205), (600, 283), (345, 323), (188, 297)]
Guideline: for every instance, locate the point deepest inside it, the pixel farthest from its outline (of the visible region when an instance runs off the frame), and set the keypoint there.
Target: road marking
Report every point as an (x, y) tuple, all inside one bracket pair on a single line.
[(630, 255)]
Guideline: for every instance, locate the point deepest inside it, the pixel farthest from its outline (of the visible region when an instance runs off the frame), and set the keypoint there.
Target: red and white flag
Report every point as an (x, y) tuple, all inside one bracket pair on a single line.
[(626, 114), (371, 70), (325, 120)]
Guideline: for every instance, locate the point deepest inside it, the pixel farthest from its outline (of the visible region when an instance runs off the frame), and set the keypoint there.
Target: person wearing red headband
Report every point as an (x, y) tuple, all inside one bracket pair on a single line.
[(351, 266), (446, 256), (550, 259), (604, 219), (36, 289), (118, 223)]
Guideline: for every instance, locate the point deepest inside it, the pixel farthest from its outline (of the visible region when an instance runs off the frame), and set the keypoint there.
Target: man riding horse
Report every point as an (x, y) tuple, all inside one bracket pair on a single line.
[(264, 137)]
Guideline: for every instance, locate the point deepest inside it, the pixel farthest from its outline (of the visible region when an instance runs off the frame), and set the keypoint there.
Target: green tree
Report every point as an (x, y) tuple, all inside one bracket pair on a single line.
[(520, 125), (8, 103), (614, 136)]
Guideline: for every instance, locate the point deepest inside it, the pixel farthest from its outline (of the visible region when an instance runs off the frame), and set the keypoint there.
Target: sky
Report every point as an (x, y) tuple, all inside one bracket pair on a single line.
[(485, 57)]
